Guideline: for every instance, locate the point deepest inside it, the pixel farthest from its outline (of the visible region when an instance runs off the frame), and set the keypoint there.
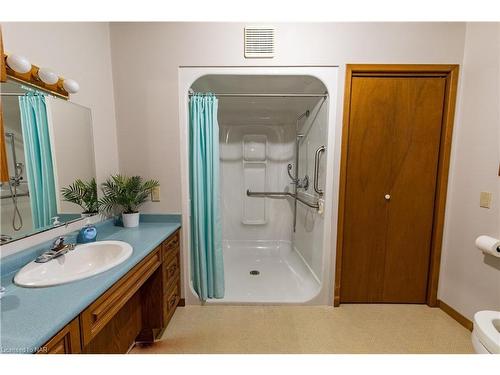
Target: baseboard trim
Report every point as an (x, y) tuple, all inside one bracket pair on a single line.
[(456, 315)]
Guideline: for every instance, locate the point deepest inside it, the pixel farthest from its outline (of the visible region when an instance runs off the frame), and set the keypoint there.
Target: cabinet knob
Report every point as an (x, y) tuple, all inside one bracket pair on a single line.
[(387, 197)]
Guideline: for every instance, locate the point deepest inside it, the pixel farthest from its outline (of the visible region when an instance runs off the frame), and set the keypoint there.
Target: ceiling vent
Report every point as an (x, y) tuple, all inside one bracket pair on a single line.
[(259, 41)]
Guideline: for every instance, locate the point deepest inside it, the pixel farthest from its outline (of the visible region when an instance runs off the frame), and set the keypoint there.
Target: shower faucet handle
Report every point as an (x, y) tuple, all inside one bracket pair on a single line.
[(303, 183)]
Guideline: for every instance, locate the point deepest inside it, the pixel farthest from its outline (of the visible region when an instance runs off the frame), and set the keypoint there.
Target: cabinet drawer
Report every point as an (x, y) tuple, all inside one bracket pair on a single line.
[(99, 313), (172, 299), (171, 272), (67, 341), (171, 246)]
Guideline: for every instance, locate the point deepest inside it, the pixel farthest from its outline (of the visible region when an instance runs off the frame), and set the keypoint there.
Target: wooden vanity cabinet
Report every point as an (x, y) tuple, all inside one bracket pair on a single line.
[(171, 276), (136, 309), (162, 294), (67, 341), (106, 307)]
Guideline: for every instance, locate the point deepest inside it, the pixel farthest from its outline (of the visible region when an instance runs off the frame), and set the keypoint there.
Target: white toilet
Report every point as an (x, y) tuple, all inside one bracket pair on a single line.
[(486, 332)]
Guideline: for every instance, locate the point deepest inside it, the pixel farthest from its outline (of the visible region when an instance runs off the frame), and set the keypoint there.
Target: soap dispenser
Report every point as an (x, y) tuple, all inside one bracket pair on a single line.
[(87, 234)]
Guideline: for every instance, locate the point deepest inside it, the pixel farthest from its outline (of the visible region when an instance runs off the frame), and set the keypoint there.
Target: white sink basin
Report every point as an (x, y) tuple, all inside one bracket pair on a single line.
[(84, 261)]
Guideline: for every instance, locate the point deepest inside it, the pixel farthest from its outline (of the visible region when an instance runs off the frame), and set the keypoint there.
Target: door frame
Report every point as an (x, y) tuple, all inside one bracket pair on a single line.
[(450, 73)]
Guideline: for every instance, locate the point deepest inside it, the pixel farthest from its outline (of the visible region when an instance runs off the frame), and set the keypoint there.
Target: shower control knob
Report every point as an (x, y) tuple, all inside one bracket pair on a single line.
[(387, 197)]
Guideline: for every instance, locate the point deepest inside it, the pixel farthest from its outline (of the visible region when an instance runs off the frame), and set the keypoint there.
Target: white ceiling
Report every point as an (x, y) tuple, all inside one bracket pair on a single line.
[(261, 110)]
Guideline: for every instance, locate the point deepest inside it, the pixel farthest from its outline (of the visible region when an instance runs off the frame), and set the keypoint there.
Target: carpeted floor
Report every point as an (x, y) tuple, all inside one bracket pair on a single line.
[(311, 329)]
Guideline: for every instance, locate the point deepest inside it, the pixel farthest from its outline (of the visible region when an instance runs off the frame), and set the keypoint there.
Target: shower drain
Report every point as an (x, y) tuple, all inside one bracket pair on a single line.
[(254, 272)]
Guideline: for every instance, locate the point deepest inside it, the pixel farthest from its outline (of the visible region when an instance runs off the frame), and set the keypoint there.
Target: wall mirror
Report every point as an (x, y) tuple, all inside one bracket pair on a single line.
[(50, 160)]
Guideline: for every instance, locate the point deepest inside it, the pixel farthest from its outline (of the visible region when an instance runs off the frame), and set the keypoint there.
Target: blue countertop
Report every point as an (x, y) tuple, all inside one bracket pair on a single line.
[(31, 316)]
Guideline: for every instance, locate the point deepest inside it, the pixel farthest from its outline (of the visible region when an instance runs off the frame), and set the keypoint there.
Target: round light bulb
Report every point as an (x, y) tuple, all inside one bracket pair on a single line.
[(71, 86), (48, 76), (19, 64)]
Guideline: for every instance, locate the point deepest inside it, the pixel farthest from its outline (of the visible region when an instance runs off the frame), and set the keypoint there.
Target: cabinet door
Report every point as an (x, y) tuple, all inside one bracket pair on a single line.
[(393, 149), (67, 341)]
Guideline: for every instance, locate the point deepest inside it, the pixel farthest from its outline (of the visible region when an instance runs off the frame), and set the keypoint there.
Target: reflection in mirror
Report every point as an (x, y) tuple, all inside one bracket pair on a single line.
[(50, 158)]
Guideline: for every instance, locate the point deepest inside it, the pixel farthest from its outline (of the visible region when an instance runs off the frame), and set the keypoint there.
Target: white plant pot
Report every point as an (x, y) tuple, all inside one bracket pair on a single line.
[(130, 220)]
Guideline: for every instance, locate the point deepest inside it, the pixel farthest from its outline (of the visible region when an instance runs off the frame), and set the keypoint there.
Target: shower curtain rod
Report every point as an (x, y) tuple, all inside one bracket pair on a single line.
[(12, 93), (292, 95)]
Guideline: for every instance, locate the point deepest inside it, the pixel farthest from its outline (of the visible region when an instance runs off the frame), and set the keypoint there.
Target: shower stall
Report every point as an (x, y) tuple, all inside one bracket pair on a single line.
[(275, 193), (14, 194)]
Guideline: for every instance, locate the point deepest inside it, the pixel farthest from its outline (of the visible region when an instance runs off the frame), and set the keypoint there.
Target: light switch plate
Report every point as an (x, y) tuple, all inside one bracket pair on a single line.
[(485, 199), (155, 194)]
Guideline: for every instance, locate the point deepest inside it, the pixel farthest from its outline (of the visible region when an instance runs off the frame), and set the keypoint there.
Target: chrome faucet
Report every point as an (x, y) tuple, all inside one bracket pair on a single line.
[(57, 249)]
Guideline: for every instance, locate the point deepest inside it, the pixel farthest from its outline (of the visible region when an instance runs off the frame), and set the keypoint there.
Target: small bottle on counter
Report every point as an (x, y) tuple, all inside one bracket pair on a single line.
[(87, 234)]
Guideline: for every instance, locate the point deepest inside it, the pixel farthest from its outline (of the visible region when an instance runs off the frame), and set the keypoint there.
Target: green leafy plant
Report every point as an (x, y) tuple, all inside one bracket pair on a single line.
[(125, 193), (82, 193)]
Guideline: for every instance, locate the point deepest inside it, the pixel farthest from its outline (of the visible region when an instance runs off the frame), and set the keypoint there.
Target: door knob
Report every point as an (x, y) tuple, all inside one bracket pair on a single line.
[(387, 197)]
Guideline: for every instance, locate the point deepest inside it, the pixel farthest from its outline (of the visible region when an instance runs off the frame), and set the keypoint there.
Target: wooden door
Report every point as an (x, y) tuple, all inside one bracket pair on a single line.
[(4, 172), (395, 126)]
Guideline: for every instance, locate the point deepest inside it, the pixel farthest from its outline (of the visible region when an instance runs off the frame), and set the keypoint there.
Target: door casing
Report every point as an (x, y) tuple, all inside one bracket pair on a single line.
[(450, 73)]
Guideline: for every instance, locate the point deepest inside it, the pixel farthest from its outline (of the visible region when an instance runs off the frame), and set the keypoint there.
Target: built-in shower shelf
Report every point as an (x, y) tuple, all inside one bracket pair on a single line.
[(254, 175)]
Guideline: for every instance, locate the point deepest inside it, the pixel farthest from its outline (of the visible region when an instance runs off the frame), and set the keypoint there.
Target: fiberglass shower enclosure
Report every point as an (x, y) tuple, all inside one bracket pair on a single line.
[(273, 132)]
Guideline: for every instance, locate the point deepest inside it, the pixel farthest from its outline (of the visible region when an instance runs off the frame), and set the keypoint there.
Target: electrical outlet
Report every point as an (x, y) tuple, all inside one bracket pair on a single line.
[(485, 199), (155, 194)]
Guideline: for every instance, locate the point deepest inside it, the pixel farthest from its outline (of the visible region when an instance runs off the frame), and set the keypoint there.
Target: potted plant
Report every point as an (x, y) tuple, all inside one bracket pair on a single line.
[(126, 194), (84, 194)]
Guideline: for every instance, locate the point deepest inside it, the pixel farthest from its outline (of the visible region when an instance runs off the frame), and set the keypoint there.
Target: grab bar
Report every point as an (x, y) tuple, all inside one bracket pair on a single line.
[(281, 194), (14, 195), (319, 151)]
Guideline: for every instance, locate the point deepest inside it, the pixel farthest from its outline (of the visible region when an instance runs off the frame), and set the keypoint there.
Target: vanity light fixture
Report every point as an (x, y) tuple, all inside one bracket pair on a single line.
[(47, 76), (20, 69), (71, 86), (19, 64)]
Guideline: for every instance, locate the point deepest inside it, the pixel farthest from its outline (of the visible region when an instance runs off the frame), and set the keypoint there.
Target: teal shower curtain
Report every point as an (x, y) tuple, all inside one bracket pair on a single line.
[(38, 154), (207, 267)]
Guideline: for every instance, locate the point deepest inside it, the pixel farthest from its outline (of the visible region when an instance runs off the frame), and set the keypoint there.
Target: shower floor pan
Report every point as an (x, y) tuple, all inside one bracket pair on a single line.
[(265, 272)]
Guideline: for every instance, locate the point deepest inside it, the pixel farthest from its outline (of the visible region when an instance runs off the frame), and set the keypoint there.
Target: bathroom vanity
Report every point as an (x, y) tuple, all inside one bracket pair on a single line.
[(106, 313), (137, 307)]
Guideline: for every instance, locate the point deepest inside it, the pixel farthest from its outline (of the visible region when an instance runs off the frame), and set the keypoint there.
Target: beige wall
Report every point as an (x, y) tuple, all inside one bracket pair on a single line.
[(470, 281), (80, 51), (146, 58)]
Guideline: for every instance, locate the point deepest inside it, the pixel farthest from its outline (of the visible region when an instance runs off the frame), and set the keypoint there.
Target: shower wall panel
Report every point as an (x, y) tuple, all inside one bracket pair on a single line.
[(308, 237), (255, 157), (13, 125)]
